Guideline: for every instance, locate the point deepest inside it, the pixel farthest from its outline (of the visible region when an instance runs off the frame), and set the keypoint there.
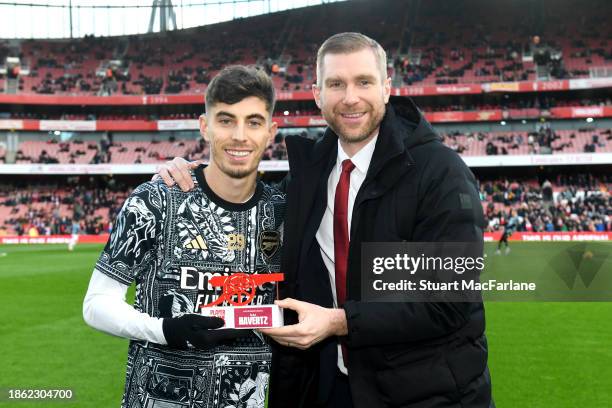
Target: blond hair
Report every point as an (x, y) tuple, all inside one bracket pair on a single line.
[(346, 43)]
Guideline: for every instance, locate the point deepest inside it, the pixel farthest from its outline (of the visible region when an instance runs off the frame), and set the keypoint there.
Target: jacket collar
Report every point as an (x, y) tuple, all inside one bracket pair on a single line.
[(390, 142)]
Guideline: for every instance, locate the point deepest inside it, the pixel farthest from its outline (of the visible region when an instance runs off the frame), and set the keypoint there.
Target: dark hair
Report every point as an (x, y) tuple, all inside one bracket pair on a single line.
[(236, 82)]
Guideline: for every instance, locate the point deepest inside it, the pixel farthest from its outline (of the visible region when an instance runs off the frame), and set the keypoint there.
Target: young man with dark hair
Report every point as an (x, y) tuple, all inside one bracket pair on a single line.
[(170, 243)]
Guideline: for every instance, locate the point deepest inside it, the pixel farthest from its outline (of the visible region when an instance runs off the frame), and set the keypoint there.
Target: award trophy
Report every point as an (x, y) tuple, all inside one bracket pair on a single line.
[(239, 290)]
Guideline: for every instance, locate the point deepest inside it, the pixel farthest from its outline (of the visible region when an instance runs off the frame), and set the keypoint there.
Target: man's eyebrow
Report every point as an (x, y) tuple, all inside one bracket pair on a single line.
[(359, 77), (332, 79), (231, 115), (256, 116), (224, 113), (366, 76)]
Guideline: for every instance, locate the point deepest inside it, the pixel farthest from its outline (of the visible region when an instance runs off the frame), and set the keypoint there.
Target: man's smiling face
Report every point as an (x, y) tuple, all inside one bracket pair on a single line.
[(352, 95), (238, 135)]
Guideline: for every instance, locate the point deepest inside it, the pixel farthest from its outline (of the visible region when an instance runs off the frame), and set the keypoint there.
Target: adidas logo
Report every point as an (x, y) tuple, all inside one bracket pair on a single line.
[(196, 243)]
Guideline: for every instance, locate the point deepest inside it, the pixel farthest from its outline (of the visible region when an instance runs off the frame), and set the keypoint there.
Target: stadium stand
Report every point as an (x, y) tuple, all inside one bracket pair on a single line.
[(524, 102), (579, 202), (308, 108), (428, 43), (50, 152), (546, 141), (438, 45), (47, 209), (461, 43)]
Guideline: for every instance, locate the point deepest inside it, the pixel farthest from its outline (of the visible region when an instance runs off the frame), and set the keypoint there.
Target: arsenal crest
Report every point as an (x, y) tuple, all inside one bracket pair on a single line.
[(269, 242)]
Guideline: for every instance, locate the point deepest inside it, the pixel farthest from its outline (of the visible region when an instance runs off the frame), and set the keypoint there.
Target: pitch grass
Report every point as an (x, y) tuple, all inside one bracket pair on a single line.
[(541, 354)]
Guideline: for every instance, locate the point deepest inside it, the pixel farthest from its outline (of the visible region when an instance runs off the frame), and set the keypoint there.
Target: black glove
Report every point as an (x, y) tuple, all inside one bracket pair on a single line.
[(197, 330)]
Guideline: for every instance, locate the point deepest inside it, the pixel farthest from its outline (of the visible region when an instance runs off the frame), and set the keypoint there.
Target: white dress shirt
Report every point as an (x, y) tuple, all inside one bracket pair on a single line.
[(325, 233)]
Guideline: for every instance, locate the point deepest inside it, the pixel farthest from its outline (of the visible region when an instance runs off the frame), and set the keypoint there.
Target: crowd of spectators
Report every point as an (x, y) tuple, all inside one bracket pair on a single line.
[(66, 66), (73, 150), (464, 43), (541, 102), (579, 202), (544, 140), (451, 67), (458, 45), (50, 210)]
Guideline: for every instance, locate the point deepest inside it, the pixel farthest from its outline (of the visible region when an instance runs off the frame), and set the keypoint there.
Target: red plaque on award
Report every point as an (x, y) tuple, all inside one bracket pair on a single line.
[(239, 290)]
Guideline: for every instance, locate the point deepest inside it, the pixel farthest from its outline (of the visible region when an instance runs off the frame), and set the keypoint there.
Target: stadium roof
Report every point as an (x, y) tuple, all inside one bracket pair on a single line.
[(60, 18)]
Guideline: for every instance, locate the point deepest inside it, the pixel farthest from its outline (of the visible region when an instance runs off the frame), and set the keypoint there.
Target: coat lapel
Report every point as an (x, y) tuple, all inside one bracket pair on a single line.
[(317, 210), (312, 189)]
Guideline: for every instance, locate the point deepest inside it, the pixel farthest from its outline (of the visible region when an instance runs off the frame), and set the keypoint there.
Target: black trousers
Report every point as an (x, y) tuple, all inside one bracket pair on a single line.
[(504, 239)]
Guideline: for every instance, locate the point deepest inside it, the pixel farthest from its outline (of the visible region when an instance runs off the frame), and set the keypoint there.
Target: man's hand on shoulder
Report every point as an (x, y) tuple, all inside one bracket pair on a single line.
[(316, 323), (177, 171)]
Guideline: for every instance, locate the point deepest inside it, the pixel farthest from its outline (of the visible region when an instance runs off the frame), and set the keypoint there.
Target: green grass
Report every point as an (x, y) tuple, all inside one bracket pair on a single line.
[(548, 354), (44, 341), (541, 354)]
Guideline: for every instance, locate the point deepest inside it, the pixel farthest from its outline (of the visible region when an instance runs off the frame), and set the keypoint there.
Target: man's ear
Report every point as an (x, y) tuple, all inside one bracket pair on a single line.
[(273, 130), (316, 92), (387, 90), (204, 127)]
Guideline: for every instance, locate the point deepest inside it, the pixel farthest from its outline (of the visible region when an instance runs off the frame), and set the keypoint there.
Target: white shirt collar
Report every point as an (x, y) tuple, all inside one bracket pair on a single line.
[(361, 159)]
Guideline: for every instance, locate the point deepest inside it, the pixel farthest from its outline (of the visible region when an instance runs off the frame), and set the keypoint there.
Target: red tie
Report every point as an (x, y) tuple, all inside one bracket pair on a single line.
[(341, 233), (341, 236)]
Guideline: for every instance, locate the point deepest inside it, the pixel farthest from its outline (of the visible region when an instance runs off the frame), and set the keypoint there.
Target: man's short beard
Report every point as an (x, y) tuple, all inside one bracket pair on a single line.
[(237, 173), (358, 139), (241, 172), (371, 127)]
